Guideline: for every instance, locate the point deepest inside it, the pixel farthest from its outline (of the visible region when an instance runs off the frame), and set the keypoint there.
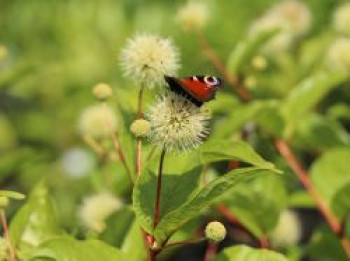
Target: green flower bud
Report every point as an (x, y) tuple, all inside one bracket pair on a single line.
[(102, 91), (215, 231), (4, 201), (140, 127)]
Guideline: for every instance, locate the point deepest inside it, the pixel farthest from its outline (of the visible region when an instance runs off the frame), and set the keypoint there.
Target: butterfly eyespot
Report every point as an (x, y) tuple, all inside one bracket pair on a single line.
[(211, 80)]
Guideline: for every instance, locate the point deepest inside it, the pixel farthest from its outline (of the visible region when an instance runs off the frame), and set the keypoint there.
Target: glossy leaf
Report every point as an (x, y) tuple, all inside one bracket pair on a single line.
[(219, 150), (203, 199), (258, 204), (176, 189)]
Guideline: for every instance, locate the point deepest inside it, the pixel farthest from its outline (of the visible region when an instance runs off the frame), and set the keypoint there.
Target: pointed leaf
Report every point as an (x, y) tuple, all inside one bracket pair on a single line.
[(205, 197), (176, 189), (219, 150)]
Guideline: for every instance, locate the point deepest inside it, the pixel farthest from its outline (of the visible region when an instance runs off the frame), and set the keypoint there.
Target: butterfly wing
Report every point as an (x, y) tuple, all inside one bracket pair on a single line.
[(198, 89)]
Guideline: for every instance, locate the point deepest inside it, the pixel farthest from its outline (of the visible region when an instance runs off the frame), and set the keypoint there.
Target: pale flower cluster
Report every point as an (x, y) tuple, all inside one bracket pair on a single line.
[(338, 55), (177, 124), (288, 230), (95, 209), (147, 58), (341, 19), (97, 121), (291, 17), (193, 16)]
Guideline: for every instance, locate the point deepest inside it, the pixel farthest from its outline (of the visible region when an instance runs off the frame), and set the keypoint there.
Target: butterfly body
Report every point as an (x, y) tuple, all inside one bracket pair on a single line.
[(197, 89)]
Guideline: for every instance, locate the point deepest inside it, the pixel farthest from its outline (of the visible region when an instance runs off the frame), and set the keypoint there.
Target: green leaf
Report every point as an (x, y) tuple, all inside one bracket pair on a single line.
[(340, 202), (203, 199), (220, 150), (117, 225), (324, 245), (301, 199), (258, 204), (176, 189), (306, 95), (69, 249), (321, 133), (246, 49), (245, 253), (331, 172), (35, 222), (11, 194), (133, 245)]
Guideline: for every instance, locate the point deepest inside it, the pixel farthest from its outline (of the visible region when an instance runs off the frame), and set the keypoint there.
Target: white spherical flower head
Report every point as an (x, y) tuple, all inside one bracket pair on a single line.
[(147, 58), (96, 209), (193, 16), (341, 19), (177, 124), (97, 121), (292, 18), (338, 55), (296, 14), (288, 230)]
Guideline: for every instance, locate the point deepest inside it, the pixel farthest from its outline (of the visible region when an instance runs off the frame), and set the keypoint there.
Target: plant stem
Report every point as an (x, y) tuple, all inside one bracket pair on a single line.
[(210, 253), (286, 152), (232, 80), (94, 145), (7, 236), (117, 145), (303, 177), (139, 139), (159, 189)]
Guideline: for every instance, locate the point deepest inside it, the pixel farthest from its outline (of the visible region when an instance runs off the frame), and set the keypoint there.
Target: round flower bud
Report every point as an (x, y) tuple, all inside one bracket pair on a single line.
[(250, 82), (259, 63), (4, 201), (102, 91), (215, 231), (140, 128)]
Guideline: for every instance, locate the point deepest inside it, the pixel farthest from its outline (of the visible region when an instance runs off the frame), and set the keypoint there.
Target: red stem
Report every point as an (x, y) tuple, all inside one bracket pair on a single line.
[(159, 190), (303, 177), (210, 253), (7, 236)]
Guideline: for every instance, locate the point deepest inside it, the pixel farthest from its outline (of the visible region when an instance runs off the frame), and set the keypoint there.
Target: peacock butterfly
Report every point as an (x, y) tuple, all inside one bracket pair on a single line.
[(197, 89)]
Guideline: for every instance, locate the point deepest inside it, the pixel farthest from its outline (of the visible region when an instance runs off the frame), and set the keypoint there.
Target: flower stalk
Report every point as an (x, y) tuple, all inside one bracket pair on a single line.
[(7, 236), (139, 139), (159, 189)]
